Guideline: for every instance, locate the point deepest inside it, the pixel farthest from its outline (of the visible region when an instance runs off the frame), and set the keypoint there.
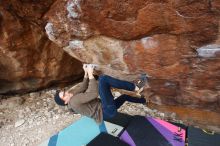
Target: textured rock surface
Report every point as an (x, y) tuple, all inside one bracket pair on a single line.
[(175, 42), (28, 59)]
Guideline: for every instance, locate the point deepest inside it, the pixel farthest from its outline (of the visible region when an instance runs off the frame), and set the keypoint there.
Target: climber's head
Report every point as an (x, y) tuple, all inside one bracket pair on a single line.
[(62, 97)]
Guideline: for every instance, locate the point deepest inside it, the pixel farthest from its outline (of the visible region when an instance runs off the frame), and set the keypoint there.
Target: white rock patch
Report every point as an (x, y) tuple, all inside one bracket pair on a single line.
[(76, 44), (149, 42), (49, 31), (209, 50), (19, 123), (74, 9)]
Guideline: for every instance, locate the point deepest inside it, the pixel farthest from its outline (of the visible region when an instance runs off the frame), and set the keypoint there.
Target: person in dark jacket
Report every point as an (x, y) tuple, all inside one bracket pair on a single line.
[(95, 100)]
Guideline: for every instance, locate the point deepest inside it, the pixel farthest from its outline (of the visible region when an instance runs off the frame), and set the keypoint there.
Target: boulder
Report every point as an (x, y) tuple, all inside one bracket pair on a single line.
[(175, 42), (28, 59)]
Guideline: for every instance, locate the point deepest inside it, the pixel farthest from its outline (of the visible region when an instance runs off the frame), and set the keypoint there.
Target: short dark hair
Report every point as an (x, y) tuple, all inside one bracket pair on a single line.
[(58, 100)]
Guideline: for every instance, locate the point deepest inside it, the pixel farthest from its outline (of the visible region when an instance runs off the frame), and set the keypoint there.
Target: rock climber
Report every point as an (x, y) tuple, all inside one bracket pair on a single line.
[(96, 100)]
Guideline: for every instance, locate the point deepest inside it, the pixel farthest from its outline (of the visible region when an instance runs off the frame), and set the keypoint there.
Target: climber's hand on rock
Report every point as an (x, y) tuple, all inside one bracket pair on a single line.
[(85, 68), (90, 70)]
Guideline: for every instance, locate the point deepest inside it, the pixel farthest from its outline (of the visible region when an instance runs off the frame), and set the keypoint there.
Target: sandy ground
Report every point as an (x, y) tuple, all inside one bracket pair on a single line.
[(29, 119)]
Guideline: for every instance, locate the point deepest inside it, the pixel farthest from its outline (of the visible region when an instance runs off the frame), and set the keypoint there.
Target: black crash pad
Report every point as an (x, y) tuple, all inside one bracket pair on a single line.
[(104, 139), (199, 137)]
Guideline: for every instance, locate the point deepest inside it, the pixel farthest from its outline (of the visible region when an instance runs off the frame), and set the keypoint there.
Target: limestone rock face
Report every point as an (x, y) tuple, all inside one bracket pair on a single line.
[(176, 42), (28, 59)]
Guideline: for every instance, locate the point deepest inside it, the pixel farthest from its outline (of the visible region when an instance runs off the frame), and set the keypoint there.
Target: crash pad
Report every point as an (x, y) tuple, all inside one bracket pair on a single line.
[(82, 132)]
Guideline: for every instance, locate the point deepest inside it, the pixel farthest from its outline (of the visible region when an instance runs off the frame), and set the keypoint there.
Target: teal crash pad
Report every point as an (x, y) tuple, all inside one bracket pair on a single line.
[(81, 132)]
